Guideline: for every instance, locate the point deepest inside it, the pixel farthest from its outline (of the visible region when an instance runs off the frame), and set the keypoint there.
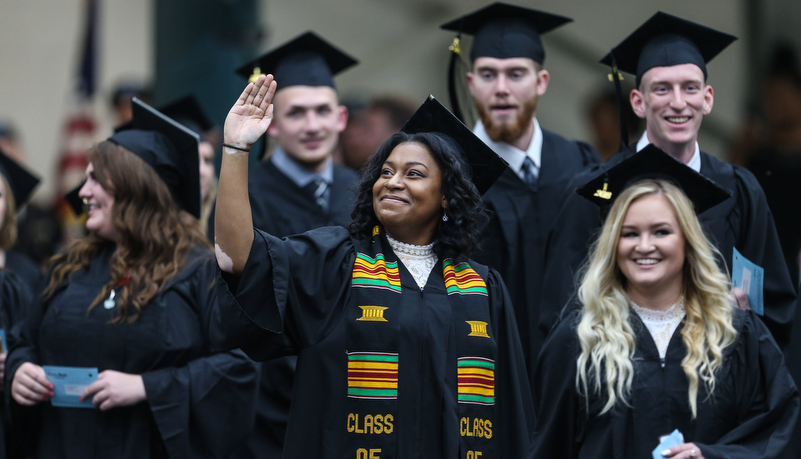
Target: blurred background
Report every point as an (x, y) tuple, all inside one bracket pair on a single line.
[(62, 62)]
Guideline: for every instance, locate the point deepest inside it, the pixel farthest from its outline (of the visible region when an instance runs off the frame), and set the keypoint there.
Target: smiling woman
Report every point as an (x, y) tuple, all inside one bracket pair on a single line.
[(133, 300), (657, 345), (402, 340)]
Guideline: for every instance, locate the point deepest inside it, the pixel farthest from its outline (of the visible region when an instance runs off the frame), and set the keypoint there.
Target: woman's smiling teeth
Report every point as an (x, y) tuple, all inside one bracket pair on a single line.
[(646, 261)]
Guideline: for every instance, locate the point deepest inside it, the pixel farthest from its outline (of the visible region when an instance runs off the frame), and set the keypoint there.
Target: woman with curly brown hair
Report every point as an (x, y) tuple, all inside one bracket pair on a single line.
[(406, 347), (133, 299)]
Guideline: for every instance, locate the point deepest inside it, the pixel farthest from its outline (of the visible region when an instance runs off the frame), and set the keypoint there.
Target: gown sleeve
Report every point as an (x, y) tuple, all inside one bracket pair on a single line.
[(515, 407), (767, 398), (204, 408), (759, 242), (557, 404), (288, 294)]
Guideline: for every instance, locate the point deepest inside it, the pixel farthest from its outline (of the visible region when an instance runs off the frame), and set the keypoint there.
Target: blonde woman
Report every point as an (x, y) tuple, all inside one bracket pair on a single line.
[(656, 347)]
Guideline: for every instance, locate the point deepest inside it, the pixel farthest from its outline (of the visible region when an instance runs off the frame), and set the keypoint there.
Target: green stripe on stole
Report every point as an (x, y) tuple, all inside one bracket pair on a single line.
[(373, 346)]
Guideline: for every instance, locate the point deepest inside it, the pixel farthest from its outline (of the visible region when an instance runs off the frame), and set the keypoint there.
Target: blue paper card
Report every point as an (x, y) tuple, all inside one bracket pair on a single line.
[(749, 277), (3, 341), (68, 385), (674, 439)]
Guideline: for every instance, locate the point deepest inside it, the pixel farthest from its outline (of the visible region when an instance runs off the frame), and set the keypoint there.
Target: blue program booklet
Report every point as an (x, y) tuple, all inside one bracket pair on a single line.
[(749, 277), (668, 441), (3, 341), (68, 385)]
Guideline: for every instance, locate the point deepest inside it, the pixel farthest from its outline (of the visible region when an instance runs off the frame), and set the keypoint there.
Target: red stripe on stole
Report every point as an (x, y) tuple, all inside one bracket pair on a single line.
[(395, 275)]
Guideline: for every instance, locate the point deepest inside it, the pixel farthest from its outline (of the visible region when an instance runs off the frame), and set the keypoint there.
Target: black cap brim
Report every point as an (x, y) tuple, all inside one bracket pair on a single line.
[(670, 40), (653, 163), (486, 166), (170, 148), (20, 179), (188, 112), (307, 60), (506, 31)]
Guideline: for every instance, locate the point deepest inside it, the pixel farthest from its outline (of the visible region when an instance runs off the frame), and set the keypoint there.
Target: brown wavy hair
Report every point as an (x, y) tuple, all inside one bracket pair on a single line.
[(8, 231), (154, 234)]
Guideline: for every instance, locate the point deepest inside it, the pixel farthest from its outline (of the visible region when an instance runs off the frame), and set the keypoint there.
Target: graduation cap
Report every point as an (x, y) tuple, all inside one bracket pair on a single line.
[(21, 181), (505, 31), (653, 163), (665, 40), (307, 60), (501, 31), (187, 111), (167, 146), (485, 164)]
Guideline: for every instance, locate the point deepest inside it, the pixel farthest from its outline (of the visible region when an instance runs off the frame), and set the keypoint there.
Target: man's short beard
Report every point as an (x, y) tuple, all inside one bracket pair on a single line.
[(507, 132)]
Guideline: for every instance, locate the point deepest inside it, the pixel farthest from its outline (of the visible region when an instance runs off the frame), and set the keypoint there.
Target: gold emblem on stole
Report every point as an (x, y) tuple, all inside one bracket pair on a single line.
[(372, 314), (478, 328)]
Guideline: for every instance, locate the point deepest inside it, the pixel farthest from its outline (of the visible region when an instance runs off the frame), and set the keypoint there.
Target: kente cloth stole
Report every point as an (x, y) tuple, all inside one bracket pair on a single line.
[(374, 360)]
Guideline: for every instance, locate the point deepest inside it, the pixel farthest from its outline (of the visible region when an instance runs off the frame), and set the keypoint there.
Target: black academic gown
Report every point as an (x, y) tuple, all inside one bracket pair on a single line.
[(521, 218), (293, 297), (750, 414), (15, 297), (25, 268), (282, 208), (199, 402), (779, 174), (743, 221)]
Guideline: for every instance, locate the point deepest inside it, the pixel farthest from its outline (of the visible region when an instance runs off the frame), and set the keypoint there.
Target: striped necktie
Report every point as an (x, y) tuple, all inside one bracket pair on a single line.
[(529, 172), (320, 186)]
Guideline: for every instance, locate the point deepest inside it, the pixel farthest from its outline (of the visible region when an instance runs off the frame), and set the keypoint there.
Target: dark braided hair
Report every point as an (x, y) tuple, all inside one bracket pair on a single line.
[(460, 234)]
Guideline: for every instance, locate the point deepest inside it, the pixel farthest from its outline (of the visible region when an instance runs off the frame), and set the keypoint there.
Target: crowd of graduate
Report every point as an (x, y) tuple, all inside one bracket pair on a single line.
[(412, 287)]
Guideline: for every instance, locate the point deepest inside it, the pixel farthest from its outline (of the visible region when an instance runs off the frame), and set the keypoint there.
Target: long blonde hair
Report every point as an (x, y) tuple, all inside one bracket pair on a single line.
[(604, 332)]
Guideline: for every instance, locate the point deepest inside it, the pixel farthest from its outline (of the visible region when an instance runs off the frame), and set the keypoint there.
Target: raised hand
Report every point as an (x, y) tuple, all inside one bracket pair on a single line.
[(252, 113)]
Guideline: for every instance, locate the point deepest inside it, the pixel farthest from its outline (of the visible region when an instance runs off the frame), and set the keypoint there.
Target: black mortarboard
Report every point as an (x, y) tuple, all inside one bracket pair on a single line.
[(486, 166), (652, 162), (665, 40), (187, 111), (307, 60), (505, 31), (21, 181), (168, 147)]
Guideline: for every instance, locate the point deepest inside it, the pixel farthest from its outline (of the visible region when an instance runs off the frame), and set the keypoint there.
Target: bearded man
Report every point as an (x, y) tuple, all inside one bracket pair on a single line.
[(506, 80)]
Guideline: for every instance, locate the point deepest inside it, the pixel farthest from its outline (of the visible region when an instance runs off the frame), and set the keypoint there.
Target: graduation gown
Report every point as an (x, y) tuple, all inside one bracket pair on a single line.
[(15, 297), (295, 295), (778, 174), (743, 221), (521, 217), (27, 270), (199, 402), (750, 414), (282, 208)]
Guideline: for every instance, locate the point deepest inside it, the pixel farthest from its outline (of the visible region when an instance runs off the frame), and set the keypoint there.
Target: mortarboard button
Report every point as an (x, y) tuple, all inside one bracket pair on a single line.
[(306, 60), (485, 164), (651, 162)]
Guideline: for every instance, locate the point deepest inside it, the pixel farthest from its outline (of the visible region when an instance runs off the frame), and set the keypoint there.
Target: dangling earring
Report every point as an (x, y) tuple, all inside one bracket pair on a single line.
[(444, 217)]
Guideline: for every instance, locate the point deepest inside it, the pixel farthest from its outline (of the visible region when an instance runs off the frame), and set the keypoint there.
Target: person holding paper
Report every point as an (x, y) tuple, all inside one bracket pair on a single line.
[(134, 300), (654, 361)]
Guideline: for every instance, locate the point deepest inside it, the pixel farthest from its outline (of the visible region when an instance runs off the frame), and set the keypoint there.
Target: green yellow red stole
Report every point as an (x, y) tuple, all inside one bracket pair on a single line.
[(374, 359)]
